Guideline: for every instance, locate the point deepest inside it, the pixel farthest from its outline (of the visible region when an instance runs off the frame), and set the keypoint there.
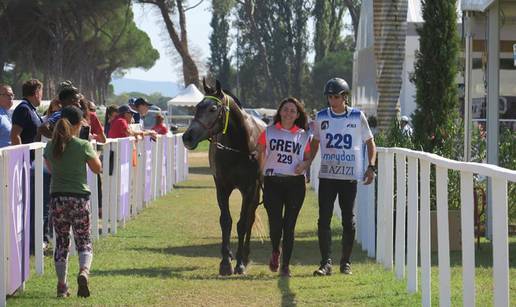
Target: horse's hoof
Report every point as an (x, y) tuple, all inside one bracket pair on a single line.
[(240, 269), (225, 268)]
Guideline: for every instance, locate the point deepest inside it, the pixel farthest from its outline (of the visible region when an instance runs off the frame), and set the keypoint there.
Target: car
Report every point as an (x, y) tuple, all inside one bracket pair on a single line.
[(253, 112)]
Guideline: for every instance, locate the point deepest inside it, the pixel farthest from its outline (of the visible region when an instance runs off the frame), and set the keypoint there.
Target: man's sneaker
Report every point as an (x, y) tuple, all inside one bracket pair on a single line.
[(345, 268), (274, 261), (323, 270), (285, 271), (62, 290), (82, 282)]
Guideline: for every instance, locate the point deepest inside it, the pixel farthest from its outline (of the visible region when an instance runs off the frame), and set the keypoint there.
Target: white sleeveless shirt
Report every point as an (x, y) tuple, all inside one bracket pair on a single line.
[(284, 150), (341, 138)]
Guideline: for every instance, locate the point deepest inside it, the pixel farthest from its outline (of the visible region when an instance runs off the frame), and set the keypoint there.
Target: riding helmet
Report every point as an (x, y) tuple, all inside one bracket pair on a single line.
[(336, 86)]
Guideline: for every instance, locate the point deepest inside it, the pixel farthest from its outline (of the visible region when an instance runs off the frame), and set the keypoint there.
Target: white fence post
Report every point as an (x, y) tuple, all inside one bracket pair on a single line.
[(371, 239), (94, 201), (38, 210), (3, 232), (106, 187), (443, 236), (401, 212), (425, 237), (115, 186), (500, 243), (380, 216), (389, 199), (412, 224), (468, 238)]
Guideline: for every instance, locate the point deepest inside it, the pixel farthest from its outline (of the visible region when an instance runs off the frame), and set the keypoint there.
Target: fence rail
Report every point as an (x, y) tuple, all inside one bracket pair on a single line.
[(134, 174), (411, 172)]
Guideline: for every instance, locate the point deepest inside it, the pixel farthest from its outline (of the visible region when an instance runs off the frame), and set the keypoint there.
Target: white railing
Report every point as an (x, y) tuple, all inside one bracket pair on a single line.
[(413, 202), (142, 172)]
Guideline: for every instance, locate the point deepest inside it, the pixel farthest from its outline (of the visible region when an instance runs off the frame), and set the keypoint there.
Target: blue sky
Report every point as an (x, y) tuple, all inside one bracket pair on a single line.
[(148, 19)]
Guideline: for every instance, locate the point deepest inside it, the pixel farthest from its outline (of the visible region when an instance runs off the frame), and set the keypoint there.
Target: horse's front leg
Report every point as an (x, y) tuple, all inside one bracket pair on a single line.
[(251, 218), (225, 226), (242, 227)]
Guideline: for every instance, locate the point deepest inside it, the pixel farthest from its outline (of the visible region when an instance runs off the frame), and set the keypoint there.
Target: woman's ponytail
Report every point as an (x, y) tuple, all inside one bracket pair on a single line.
[(61, 136), (70, 116)]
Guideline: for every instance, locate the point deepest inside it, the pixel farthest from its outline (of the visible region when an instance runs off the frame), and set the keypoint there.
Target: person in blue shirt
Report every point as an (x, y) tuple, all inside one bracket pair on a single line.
[(6, 102)]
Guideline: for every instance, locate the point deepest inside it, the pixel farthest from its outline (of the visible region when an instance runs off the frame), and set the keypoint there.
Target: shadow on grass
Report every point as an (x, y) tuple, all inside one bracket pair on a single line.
[(200, 170), (190, 187), (288, 297), (483, 256), (161, 272), (306, 252)]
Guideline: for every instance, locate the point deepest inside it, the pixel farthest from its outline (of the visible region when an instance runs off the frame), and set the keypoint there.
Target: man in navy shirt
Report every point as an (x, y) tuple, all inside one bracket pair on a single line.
[(25, 119)]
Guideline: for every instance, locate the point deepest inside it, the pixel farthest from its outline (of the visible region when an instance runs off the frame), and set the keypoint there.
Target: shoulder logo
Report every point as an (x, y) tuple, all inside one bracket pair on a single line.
[(325, 124), (351, 125)]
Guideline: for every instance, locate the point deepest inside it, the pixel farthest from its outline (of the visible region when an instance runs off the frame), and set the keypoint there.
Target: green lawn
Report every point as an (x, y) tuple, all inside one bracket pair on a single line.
[(169, 256)]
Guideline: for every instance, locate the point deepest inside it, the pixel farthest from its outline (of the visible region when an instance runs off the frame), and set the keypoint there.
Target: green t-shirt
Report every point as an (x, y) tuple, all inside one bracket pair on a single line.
[(69, 171)]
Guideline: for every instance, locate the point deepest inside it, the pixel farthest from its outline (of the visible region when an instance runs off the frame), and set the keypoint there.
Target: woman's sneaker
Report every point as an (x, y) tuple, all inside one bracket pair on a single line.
[(285, 271), (323, 270), (345, 268), (274, 261), (62, 290), (82, 282)]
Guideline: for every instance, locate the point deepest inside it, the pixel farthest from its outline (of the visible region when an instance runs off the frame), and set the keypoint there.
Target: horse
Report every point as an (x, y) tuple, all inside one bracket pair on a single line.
[(233, 136)]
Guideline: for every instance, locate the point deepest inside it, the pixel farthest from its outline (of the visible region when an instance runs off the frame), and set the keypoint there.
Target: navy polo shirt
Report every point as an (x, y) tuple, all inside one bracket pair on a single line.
[(28, 119)]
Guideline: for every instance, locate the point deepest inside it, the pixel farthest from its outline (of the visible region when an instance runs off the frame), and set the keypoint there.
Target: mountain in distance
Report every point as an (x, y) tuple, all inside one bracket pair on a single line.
[(166, 88)]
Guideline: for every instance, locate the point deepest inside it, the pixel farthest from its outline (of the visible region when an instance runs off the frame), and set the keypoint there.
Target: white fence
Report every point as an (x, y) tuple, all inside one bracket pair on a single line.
[(141, 172), (412, 209)]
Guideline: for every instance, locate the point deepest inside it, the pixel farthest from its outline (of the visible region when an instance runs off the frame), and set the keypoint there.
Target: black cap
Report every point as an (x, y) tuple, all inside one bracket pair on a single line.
[(140, 101), (125, 109)]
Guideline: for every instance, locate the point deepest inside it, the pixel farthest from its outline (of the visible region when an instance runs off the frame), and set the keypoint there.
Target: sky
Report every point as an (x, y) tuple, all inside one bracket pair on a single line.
[(148, 19)]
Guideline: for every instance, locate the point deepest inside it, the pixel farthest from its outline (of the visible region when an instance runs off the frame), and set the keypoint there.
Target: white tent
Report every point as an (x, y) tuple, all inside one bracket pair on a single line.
[(189, 97)]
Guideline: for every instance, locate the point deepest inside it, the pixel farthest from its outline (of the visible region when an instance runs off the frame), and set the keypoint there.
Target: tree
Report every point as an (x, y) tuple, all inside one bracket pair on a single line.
[(220, 62), (179, 37), (435, 74)]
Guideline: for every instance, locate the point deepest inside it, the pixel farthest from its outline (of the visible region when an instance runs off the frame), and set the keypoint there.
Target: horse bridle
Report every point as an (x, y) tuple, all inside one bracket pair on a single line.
[(223, 110)]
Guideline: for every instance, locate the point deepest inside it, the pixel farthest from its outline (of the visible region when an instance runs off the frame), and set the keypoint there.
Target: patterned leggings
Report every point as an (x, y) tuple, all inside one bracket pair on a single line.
[(71, 211)]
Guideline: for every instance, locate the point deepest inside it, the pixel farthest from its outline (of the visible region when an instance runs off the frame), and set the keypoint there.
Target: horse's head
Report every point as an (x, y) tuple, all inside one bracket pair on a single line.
[(209, 118)]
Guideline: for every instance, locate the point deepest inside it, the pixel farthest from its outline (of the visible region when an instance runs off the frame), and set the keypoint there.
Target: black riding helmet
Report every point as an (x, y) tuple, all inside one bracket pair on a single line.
[(336, 86)]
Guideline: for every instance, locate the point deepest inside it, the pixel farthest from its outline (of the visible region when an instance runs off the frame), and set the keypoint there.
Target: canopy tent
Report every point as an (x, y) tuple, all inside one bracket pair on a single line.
[(189, 97)]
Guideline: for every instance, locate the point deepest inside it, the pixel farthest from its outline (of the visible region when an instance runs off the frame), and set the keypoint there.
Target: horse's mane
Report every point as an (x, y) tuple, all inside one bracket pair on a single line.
[(235, 99)]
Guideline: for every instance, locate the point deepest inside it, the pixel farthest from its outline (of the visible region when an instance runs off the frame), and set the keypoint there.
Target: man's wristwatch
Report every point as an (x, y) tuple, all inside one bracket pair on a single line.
[(371, 167)]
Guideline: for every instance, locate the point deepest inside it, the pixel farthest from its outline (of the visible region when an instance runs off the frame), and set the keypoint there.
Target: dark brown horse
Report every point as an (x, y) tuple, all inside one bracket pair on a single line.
[(233, 135)]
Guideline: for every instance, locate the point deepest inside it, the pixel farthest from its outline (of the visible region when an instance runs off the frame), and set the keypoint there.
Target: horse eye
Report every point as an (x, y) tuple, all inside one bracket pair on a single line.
[(213, 108)]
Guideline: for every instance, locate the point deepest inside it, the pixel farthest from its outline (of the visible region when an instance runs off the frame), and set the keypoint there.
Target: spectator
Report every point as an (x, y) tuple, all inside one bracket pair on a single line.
[(25, 120), (68, 96), (111, 113), (55, 105), (141, 105), (6, 102), (66, 157), (96, 131), (25, 124), (406, 129), (284, 182), (160, 128), (120, 125)]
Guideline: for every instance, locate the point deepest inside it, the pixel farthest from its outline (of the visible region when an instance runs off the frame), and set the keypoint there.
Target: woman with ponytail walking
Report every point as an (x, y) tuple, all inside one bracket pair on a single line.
[(66, 157)]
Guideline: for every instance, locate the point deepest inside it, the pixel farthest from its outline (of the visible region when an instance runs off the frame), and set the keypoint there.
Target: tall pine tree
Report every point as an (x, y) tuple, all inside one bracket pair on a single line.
[(435, 77), (219, 62)]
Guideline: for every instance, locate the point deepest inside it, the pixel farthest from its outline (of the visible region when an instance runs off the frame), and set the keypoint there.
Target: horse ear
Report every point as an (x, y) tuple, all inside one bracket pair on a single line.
[(207, 88), (219, 89)]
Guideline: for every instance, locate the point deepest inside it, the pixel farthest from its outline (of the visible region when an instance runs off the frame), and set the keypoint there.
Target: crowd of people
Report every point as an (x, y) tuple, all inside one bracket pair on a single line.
[(67, 127)]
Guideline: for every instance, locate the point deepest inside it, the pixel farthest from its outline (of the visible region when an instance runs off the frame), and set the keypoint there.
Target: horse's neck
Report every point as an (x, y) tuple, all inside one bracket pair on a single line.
[(236, 136)]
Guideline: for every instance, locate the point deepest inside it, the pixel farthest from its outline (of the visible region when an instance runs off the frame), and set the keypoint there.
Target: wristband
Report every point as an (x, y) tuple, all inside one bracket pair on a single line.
[(370, 166)]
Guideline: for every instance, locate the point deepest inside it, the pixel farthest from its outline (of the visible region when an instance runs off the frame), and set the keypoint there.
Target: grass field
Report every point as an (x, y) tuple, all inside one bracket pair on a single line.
[(169, 256)]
